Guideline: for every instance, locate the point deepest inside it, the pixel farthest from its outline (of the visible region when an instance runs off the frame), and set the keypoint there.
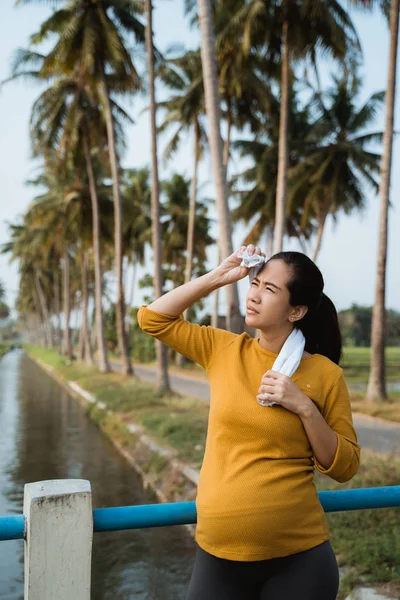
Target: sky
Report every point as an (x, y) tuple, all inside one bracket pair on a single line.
[(347, 259)]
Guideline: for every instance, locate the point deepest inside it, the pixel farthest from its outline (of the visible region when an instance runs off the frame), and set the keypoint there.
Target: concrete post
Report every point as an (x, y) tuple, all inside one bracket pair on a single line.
[(58, 539)]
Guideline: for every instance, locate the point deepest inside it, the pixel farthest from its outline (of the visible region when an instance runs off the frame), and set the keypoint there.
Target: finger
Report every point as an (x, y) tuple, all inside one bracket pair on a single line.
[(268, 389), (250, 249), (257, 250), (269, 380), (268, 397), (273, 374)]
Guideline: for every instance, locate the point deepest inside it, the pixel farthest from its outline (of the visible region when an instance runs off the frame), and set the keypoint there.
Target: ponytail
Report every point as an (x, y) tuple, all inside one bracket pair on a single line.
[(320, 325)]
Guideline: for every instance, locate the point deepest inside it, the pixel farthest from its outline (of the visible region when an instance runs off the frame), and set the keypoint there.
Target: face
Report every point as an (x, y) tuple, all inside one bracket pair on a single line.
[(269, 296)]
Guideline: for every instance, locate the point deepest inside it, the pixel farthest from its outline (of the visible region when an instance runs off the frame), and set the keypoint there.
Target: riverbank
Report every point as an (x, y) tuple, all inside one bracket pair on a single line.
[(163, 438), (4, 348)]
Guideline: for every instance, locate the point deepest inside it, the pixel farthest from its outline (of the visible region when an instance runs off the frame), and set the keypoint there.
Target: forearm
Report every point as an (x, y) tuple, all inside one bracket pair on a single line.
[(176, 301), (322, 438)]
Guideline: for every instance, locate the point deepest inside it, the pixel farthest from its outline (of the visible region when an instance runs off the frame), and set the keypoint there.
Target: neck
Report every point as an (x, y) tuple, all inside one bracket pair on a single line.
[(273, 341)]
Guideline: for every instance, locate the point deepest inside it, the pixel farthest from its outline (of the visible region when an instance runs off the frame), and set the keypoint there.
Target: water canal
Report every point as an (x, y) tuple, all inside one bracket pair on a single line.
[(45, 434)]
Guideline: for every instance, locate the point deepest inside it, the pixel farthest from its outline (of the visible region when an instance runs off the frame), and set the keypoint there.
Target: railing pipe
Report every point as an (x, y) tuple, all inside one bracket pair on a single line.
[(180, 513)]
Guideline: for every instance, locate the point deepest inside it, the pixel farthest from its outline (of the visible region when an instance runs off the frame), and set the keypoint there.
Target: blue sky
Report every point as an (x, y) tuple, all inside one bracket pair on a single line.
[(348, 256)]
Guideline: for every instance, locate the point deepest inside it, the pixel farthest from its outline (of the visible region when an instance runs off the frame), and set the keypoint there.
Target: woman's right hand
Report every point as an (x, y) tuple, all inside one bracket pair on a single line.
[(230, 271)]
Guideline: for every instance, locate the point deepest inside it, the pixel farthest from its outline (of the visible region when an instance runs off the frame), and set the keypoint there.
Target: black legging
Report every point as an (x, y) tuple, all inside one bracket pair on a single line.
[(309, 575)]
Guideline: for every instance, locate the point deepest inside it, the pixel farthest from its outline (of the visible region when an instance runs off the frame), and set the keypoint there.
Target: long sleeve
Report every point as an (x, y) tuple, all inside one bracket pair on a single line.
[(197, 342), (337, 413)]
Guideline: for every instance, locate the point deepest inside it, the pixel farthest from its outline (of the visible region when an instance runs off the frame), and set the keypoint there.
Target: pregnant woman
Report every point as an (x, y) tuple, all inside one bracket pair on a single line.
[(261, 531)]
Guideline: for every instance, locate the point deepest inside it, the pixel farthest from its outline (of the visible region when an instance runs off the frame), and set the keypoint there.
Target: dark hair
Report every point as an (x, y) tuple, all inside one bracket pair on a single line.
[(320, 325)]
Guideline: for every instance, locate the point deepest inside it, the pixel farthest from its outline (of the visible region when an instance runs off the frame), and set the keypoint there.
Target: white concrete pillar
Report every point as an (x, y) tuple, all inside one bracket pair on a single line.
[(58, 539)]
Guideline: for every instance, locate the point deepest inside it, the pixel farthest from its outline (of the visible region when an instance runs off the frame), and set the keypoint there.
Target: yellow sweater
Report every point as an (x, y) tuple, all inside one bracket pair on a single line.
[(256, 497)]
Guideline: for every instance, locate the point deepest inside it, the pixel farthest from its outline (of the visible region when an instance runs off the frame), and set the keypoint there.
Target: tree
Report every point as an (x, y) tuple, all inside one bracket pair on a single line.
[(212, 98), (161, 349), (186, 109), (92, 37), (284, 31), (337, 164), (257, 197), (377, 378)]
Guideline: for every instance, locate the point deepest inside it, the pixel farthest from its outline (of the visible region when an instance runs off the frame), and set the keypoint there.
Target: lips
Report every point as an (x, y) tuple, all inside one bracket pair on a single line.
[(251, 310)]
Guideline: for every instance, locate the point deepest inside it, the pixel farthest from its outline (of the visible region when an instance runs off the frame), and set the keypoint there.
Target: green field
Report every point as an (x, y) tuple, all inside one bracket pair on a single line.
[(356, 363)]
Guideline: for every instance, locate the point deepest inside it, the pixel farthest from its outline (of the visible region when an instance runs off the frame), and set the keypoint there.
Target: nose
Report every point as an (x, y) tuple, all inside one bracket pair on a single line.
[(253, 295)]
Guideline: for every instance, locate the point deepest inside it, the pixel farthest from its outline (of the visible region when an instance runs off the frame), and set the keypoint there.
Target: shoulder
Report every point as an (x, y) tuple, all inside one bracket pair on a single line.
[(326, 372)]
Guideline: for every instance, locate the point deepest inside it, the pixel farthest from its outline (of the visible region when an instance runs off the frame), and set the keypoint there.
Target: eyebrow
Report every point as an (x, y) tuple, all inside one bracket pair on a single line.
[(267, 283)]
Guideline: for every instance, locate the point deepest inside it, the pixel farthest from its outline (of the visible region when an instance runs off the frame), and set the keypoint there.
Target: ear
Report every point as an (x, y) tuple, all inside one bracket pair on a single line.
[(299, 312)]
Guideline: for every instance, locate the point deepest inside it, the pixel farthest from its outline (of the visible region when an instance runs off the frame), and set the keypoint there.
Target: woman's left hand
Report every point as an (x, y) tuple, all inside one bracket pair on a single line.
[(279, 388)]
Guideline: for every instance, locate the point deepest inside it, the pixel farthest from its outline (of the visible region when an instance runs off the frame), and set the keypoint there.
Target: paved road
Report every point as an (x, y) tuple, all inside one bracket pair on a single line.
[(372, 433)]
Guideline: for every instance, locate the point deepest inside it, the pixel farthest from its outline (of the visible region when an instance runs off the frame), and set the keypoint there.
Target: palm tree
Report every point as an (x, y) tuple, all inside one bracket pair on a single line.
[(136, 197), (31, 244), (137, 234), (186, 109), (257, 198), (92, 38), (65, 123), (377, 379), (176, 214), (284, 31), (161, 350), (212, 99), (175, 225), (336, 162)]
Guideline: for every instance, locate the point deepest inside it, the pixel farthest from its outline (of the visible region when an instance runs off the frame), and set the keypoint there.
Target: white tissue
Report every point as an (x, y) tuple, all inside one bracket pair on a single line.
[(255, 262), (250, 260)]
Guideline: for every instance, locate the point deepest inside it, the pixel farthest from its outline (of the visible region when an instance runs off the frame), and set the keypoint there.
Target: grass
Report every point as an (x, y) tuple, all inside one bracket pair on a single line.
[(388, 410), (356, 363), (367, 541), (3, 349)]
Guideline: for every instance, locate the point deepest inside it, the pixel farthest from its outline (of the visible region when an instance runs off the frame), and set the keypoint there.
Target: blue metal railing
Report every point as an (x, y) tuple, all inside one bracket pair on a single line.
[(183, 513)]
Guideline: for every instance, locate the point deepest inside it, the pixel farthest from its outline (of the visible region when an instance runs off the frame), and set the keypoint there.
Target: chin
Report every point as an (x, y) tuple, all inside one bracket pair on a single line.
[(250, 317)]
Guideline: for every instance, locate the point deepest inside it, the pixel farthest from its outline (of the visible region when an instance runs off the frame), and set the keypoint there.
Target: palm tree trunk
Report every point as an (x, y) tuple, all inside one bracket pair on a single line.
[(44, 311), (132, 290), (235, 321), (130, 302), (271, 241), (104, 365), (192, 209), (87, 350), (321, 227), (41, 335), (180, 359), (377, 377), (228, 138), (161, 350), (67, 306), (57, 305), (120, 306), (281, 188), (214, 317)]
